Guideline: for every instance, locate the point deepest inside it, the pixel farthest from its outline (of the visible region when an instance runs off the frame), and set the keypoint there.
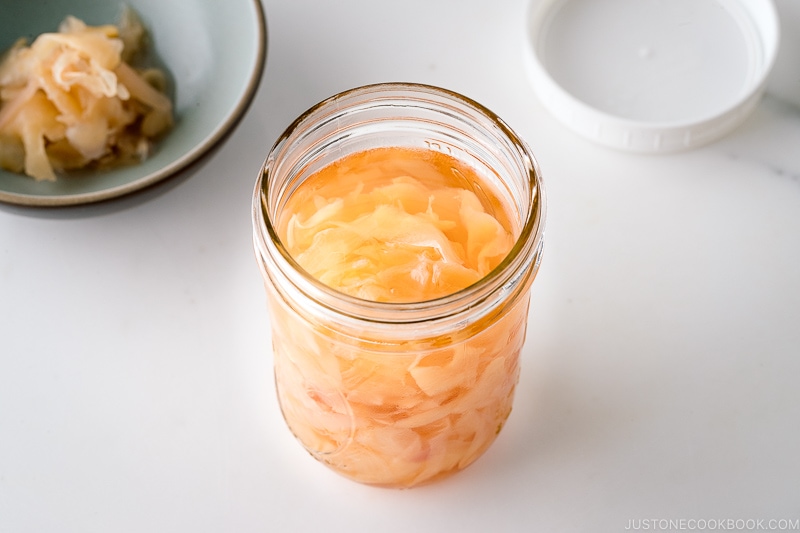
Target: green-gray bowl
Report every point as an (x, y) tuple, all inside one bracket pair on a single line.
[(214, 52)]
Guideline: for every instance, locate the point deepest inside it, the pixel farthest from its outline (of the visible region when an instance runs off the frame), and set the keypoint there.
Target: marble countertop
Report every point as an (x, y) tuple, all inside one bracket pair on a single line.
[(661, 373)]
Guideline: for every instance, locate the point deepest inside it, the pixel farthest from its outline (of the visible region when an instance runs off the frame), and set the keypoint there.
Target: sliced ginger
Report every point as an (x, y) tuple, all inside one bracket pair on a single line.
[(70, 100), (395, 225)]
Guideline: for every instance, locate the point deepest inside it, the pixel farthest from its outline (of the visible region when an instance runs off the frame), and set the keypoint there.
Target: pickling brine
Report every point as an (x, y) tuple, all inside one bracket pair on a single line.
[(396, 225), (398, 283)]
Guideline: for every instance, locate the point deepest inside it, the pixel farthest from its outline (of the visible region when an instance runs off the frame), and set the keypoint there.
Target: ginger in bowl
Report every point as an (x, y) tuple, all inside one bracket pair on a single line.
[(181, 90), (74, 99)]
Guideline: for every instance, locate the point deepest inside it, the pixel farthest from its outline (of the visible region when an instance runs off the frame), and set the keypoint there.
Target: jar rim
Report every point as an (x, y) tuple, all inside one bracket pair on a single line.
[(527, 245)]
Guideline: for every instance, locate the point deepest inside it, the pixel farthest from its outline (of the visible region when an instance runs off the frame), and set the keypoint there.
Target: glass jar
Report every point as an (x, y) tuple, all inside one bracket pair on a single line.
[(397, 394)]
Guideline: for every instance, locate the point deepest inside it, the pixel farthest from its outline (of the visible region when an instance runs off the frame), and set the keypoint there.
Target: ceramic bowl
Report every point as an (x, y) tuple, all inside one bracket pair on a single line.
[(214, 53)]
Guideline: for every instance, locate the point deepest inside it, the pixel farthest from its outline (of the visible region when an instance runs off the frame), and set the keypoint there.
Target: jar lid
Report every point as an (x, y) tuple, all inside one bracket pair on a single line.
[(651, 75)]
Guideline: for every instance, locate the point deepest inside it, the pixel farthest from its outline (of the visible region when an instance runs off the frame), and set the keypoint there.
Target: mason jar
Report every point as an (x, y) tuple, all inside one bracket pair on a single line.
[(398, 393)]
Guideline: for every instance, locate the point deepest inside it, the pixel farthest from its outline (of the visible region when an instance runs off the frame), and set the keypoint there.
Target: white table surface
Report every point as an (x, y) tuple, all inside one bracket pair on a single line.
[(661, 374)]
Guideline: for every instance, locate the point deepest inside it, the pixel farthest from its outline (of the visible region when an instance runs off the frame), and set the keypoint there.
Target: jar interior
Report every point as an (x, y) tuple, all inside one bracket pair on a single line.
[(410, 124)]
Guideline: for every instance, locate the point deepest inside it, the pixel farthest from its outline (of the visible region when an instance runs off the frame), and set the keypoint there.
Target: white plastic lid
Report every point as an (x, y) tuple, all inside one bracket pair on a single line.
[(651, 75)]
